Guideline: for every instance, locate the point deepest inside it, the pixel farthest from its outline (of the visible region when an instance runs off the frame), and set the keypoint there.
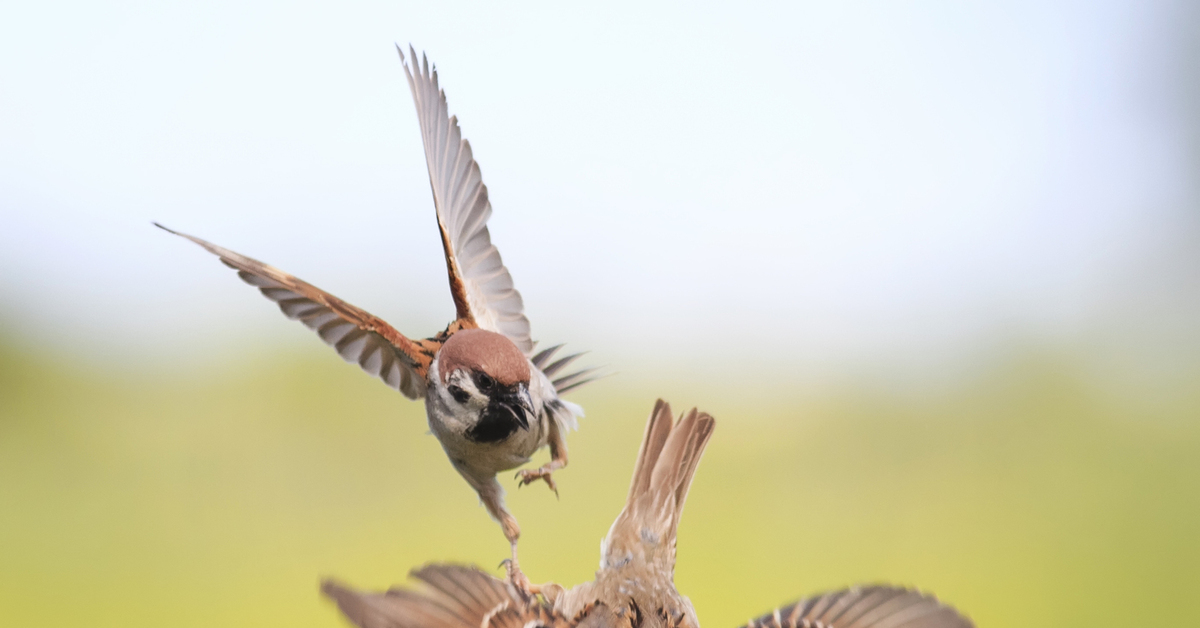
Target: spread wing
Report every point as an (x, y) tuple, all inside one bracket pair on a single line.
[(865, 607), (480, 284), (454, 597), (357, 335)]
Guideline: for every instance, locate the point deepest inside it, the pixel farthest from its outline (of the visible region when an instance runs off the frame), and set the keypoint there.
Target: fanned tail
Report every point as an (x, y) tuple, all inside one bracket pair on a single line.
[(662, 475)]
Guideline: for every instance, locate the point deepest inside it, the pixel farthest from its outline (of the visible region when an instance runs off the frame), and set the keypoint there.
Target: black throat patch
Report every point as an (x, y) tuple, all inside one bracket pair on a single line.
[(498, 422)]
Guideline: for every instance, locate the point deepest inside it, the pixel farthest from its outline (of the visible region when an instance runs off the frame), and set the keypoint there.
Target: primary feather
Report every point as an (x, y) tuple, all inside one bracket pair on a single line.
[(864, 607), (357, 335), (480, 284)]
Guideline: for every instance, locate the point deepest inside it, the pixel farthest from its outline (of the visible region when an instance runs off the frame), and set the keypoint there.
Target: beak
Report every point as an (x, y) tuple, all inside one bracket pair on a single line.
[(519, 404), (525, 403)]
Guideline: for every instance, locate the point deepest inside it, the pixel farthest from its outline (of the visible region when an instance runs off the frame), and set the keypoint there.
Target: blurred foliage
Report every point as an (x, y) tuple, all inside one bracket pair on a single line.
[(220, 494)]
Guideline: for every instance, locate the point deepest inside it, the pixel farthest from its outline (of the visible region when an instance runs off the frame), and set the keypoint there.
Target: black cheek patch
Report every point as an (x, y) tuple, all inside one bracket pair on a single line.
[(459, 394)]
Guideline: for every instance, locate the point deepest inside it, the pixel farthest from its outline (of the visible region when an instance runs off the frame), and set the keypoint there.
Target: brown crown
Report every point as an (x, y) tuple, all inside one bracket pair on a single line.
[(485, 351)]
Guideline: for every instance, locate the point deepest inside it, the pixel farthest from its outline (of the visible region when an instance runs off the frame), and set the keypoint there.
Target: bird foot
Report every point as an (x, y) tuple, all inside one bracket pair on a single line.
[(529, 476), (525, 589)]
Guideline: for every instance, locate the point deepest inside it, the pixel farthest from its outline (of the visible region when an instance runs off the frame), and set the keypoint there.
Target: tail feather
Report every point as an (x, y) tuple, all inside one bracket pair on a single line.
[(662, 475), (697, 440), (560, 364), (543, 356), (570, 381), (658, 428)]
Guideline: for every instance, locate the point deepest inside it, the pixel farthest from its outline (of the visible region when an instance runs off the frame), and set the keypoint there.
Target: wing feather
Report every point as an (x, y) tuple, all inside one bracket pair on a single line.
[(453, 597), (355, 334), (481, 286), (865, 607)]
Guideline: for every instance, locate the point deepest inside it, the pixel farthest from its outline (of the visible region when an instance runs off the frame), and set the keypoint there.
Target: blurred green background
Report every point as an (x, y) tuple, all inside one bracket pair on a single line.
[(1027, 495), (934, 267)]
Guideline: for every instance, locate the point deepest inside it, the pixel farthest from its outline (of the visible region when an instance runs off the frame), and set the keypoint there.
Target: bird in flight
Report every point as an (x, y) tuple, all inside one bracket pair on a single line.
[(490, 400), (634, 587)]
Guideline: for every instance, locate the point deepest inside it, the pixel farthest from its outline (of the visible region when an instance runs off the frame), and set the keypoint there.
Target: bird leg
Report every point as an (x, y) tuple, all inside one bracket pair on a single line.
[(558, 460), (517, 578), (492, 496), (526, 589)]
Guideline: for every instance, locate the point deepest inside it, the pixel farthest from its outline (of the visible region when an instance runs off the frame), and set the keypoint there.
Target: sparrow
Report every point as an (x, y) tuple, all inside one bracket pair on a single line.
[(635, 586), (489, 399)]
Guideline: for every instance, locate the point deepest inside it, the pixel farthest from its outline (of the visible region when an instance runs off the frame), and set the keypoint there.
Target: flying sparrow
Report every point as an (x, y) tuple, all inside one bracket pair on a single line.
[(489, 399), (635, 586)]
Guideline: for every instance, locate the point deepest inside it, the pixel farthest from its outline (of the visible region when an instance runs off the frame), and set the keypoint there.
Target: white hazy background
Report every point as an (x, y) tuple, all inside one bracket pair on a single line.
[(815, 187)]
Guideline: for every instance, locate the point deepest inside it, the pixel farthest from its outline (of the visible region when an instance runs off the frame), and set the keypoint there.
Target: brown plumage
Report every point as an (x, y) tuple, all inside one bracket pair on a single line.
[(865, 607), (634, 587), (356, 334), (478, 349), (453, 597), (489, 399)]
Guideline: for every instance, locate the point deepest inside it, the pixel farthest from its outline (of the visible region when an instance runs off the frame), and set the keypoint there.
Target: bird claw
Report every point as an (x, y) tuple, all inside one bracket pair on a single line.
[(529, 476), (519, 581)]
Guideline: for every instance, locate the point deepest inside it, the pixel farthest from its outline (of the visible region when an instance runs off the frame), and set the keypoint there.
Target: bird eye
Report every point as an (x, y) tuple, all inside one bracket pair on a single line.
[(485, 382), (459, 394)]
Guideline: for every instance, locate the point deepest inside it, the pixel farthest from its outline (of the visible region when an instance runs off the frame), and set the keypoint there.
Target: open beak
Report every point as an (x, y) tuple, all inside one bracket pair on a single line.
[(525, 403), (519, 404)]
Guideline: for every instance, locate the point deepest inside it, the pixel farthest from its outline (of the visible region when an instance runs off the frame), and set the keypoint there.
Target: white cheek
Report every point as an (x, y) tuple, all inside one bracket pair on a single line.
[(476, 403)]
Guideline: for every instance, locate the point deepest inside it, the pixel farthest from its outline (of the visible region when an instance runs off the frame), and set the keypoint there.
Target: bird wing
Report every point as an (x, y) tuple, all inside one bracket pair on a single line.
[(482, 289), (357, 335), (865, 607), (453, 597)]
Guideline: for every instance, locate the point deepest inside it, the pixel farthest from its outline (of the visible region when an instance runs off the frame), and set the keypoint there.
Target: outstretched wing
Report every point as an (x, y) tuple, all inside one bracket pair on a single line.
[(357, 335), (454, 597), (480, 284), (865, 607)]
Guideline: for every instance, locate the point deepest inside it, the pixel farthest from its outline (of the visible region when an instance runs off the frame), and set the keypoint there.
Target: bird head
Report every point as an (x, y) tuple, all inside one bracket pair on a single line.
[(486, 380)]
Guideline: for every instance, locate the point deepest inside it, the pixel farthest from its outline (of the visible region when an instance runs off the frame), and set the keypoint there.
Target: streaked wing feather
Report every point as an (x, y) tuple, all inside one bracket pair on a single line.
[(394, 609), (355, 334), (453, 597), (481, 286), (865, 607)]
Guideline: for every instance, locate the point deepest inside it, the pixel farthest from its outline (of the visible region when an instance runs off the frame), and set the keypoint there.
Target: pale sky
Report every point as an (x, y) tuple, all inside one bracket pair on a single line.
[(823, 181)]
